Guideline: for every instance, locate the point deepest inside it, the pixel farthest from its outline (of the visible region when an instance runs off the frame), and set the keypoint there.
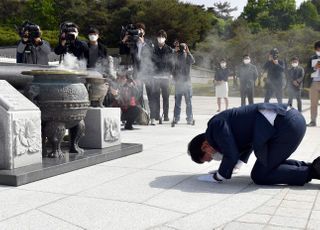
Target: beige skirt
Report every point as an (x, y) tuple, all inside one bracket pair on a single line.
[(222, 89)]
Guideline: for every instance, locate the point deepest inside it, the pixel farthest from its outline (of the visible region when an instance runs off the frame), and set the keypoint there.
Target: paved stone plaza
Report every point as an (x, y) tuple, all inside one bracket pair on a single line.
[(158, 189)]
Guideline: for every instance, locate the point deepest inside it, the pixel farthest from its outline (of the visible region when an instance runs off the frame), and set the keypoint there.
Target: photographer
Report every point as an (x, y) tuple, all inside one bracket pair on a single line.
[(32, 49), (124, 95), (182, 79), (275, 76), (69, 42), (138, 52), (163, 62)]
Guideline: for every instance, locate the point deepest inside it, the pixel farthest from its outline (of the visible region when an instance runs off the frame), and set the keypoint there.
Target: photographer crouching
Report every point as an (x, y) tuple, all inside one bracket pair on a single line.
[(32, 49), (123, 93), (69, 42)]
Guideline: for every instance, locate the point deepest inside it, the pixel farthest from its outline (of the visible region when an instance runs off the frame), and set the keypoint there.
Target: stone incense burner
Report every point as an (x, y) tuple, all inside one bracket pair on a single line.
[(63, 100)]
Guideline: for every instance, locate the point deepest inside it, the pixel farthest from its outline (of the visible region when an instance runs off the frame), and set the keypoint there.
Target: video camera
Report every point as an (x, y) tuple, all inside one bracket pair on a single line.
[(274, 53), (133, 34), (182, 47), (30, 31), (68, 31)]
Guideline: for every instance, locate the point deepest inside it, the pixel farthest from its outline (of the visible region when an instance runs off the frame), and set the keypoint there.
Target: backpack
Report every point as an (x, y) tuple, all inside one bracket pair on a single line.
[(143, 117)]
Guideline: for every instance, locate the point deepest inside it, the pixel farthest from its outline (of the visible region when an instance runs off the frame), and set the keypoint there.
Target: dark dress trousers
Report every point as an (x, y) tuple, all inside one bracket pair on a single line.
[(235, 133)]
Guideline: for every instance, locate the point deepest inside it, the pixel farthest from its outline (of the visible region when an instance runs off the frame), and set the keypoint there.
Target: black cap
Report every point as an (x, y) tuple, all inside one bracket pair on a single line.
[(93, 30)]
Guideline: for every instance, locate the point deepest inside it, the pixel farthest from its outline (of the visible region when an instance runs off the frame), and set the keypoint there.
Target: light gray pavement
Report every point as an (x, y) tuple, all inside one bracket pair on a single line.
[(158, 189)]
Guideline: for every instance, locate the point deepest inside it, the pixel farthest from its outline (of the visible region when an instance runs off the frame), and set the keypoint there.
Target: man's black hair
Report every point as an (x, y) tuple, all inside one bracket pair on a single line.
[(194, 148), (93, 30), (141, 25), (162, 33), (245, 55), (317, 45), (295, 58)]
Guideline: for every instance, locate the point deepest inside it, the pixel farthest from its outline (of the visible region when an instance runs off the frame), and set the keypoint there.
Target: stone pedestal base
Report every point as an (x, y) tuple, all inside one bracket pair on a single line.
[(102, 128), (20, 129), (56, 166)]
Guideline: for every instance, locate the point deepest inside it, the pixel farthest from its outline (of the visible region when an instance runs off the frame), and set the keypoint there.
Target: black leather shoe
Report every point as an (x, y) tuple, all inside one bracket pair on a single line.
[(315, 168), (166, 119), (128, 127), (312, 124)]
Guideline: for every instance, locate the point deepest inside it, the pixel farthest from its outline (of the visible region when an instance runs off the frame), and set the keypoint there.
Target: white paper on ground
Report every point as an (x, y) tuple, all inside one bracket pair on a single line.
[(207, 178)]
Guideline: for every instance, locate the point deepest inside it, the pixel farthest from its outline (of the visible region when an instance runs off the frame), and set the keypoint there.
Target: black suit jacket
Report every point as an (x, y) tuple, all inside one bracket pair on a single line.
[(236, 132)]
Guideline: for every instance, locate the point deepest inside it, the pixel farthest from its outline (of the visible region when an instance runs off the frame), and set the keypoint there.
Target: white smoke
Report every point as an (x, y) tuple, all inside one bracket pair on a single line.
[(71, 62)]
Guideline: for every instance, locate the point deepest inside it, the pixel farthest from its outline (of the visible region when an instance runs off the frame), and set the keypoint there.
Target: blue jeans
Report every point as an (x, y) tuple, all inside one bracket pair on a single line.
[(183, 89)]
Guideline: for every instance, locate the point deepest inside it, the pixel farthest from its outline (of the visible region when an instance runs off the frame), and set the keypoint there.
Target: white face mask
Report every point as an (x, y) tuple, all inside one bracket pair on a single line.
[(294, 64), (223, 64), (216, 156), (318, 53), (246, 61), (93, 37), (161, 40)]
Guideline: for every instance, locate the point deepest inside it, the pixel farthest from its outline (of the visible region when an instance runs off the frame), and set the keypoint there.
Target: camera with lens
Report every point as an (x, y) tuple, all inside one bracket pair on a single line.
[(68, 31), (274, 54), (133, 34), (182, 47), (29, 32)]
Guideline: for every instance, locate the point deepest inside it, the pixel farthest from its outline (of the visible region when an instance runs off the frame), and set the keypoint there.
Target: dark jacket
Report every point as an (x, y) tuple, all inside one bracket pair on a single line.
[(236, 132), (127, 96), (295, 74), (275, 71), (38, 54), (221, 74), (102, 54), (247, 73), (142, 63), (77, 48), (182, 66), (163, 60)]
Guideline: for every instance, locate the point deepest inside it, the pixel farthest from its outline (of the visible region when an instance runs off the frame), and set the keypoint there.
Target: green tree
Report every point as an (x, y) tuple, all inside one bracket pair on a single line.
[(271, 14), (11, 12), (317, 4), (222, 10), (42, 13), (308, 14)]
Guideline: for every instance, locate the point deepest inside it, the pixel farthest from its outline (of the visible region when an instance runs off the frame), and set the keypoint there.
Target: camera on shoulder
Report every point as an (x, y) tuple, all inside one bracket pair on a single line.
[(132, 32), (68, 31), (29, 32)]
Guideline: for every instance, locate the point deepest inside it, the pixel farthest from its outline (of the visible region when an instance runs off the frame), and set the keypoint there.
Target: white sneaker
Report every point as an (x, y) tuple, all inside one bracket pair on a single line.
[(153, 121)]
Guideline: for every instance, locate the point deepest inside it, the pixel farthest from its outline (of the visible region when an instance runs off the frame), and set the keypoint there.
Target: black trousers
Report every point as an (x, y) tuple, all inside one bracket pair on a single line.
[(163, 88), (295, 93), (129, 115), (154, 88), (246, 91), (151, 93), (289, 131), (273, 87)]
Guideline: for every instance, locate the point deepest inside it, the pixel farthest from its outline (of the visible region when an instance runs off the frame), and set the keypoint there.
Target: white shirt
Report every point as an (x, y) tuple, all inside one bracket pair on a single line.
[(270, 115)]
